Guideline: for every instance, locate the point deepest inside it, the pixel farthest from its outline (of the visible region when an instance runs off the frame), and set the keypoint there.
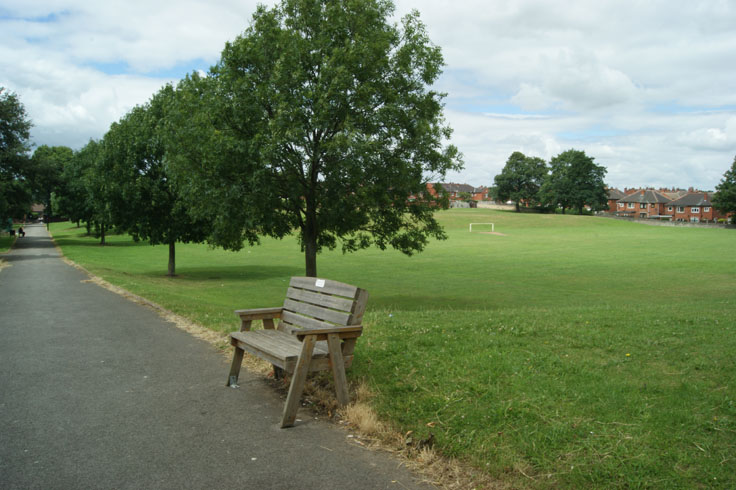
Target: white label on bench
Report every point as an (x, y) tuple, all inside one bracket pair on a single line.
[(320, 283)]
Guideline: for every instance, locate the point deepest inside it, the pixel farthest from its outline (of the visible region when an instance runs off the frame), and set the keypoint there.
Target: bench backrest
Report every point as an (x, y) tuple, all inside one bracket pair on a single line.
[(320, 303)]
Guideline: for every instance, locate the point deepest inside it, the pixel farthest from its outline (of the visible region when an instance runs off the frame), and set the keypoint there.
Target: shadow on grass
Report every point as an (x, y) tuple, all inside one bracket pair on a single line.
[(91, 242), (246, 273)]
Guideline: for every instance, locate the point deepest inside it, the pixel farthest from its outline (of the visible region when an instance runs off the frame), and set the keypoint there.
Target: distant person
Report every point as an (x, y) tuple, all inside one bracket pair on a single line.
[(21, 233)]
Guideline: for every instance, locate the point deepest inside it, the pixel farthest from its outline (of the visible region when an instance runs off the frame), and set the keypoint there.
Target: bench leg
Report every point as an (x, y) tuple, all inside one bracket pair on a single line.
[(235, 366), (338, 369), (297, 381)]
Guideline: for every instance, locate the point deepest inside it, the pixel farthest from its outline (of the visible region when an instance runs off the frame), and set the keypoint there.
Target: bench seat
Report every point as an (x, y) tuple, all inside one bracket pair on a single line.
[(315, 330), (282, 350)]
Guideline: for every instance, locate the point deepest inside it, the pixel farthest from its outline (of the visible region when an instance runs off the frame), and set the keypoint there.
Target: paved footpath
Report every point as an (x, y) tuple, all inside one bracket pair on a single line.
[(99, 392)]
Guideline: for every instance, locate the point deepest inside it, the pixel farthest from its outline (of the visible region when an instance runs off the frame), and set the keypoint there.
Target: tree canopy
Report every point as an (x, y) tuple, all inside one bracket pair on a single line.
[(319, 118), (725, 197), (146, 202), (521, 179), (15, 126), (47, 167), (574, 182)]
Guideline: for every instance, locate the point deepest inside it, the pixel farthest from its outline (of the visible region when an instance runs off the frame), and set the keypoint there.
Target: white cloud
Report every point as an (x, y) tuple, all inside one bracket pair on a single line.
[(644, 87)]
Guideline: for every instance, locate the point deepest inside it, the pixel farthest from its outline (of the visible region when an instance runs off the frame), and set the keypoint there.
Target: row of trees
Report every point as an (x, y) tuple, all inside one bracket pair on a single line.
[(572, 180), (25, 178), (318, 120)]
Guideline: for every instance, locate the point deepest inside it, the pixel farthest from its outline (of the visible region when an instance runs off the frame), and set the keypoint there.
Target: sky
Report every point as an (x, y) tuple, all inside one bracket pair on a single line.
[(646, 88)]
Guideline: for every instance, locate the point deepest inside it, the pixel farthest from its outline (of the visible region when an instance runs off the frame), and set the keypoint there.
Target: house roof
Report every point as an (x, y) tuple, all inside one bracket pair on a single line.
[(451, 187), (692, 199), (675, 194), (615, 194), (646, 196)]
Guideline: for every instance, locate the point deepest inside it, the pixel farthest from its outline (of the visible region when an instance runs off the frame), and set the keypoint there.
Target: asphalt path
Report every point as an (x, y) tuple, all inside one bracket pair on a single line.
[(100, 392)]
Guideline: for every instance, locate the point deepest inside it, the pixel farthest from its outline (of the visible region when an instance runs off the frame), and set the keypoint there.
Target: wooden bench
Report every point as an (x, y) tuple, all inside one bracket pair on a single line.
[(318, 326)]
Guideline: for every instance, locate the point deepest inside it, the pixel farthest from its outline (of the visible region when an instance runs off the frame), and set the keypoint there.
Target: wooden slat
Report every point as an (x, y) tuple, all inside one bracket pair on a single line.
[(287, 366), (258, 313), (361, 300), (277, 344), (264, 344), (328, 287), (303, 321), (332, 316), (326, 300), (350, 329)]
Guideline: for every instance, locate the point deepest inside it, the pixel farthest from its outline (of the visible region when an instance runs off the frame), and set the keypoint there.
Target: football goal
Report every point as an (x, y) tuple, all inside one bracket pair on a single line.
[(486, 224)]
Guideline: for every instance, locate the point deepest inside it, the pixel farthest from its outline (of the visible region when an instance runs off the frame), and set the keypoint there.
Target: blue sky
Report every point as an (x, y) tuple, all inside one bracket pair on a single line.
[(646, 88)]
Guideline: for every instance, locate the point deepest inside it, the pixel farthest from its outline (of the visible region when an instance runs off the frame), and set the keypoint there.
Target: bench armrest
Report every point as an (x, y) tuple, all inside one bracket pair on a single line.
[(259, 313), (350, 330)]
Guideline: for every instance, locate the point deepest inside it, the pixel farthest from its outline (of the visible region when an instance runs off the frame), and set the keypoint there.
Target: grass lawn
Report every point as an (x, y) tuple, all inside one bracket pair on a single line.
[(572, 351), (5, 242)]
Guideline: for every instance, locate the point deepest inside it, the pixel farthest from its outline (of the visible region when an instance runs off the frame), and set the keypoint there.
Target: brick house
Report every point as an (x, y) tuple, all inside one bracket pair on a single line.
[(694, 207), (455, 190), (613, 197), (645, 203)]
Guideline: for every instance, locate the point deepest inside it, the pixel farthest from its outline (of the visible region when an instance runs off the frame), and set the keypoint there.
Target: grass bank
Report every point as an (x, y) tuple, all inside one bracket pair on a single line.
[(6, 241), (569, 351)]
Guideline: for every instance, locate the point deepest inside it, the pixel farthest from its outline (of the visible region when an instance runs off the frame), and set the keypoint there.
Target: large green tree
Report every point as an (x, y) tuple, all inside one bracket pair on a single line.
[(15, 127), (319, 118), (73, 199), (100, 190), (147, 203), (574, 182), (47, 166), (725, 197), (521, 179)]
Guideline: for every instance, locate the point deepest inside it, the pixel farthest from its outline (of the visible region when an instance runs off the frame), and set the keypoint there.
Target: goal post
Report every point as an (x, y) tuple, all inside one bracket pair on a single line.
[(470, 229)]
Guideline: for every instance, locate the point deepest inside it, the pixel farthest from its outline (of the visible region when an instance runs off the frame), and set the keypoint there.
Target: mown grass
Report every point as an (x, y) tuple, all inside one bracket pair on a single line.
[(6, 241), (573, 351)]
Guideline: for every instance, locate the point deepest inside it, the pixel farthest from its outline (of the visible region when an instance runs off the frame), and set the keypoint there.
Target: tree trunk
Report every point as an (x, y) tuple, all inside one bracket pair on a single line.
[(310, 254), (309, 235), (172, 259), (102, 234), (518, 208)]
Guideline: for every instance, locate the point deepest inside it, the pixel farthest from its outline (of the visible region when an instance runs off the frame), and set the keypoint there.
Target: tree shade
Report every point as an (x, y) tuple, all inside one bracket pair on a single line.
[(521, 179), (575, 181), (318, 119), (15, 126)]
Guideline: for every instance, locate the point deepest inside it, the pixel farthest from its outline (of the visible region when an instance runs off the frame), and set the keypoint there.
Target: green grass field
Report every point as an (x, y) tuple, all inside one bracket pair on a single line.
[(573, 351), (5, 242)]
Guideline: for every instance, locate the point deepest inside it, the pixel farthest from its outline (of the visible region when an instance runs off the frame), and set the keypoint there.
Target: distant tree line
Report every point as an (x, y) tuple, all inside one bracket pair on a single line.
[(572, 181), (318, 120)]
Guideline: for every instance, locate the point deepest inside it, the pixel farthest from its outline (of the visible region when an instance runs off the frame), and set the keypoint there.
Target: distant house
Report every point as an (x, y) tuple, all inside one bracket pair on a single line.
[(694, 207), (613, 197), (645, 203), (454, 191), (480, 194)]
